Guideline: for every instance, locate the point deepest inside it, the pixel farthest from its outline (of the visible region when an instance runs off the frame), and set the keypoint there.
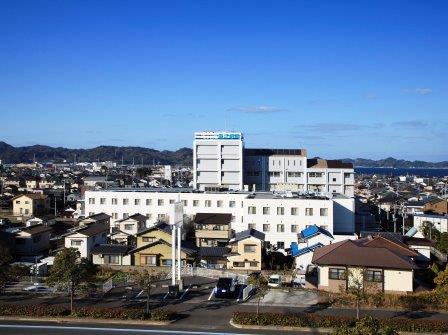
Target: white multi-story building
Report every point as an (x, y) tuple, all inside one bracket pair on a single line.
[(221, 162), (218, 160), (279, 216)]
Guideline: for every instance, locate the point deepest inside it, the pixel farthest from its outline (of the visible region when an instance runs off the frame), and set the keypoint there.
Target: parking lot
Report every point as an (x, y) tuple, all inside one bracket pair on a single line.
[(288, 298)]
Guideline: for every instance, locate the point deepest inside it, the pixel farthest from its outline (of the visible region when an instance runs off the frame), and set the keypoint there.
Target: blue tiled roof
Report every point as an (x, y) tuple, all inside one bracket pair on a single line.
[(295, 251), (314, 230)]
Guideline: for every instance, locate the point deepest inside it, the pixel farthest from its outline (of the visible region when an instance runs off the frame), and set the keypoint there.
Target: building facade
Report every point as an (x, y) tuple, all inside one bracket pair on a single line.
[(218, 160), (279, 216)]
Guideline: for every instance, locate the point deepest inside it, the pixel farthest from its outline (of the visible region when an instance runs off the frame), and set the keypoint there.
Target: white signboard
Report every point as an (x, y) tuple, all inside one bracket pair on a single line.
[(176, 214)]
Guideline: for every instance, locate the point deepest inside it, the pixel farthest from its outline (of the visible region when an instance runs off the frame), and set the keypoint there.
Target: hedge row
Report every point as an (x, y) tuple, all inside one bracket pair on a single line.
[(327, 321), (86, 312)]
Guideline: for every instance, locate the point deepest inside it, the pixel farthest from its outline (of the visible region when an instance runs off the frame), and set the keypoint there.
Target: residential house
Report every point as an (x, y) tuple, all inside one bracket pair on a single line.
[(33, 240), (123, 231), (31, 204), (87, 237), (96, 218), (212, 229), (437, 206), (154, 247), (378, 263), (246, 248), (111, 254), (213, 257)]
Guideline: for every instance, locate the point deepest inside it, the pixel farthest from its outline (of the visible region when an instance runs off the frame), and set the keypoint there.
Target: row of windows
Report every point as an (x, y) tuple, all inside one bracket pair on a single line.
[(280, 227), (375, 276), (281, 211), (161, 202)]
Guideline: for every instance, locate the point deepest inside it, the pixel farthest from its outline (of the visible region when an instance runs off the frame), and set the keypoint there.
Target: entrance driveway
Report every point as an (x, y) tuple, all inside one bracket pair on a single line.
[(287, 298)]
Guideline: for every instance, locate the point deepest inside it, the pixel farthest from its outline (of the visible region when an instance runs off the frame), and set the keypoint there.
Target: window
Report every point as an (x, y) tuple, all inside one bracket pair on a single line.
[(231, 204), (280, 228), (280, 245), (114, 216), (102, 201), (148, 260), (208, 203), (266, 210), (238, 264), (335, 273), (75, 243), (347, 175), (308, 211), (148, 202), (233, 218), (136, 202), (111, 259), (219, 203), (294, 211), (128, 226), (249, 247), (324, 212), (324, 227), (159, 202), (91, 201), (294, 228), (251, 226), (274, 174), (185, 203), (195, 203), (251, 210), (280, 211), (172, 201), (125, 215), (148, 239), (18, 201), (125, 201), (295, 174), (253, 264), (166, 262), (90, 213), (315, 174), (375, 276), (161, 217), (148, 215), (114, 201), (266, 227)]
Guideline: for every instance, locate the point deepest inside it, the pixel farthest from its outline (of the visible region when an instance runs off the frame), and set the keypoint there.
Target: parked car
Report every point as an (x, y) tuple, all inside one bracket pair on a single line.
[(275, 281), (298, 281), (226, 288), (38, 288)]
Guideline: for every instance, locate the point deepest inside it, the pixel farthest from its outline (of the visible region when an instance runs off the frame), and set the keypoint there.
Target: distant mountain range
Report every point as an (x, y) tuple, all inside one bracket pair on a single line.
[(183, 156)]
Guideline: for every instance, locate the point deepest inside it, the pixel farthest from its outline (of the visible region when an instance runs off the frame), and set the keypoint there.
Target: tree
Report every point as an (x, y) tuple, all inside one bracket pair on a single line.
[(145, 280), (260, 284), (429, 230), (5, 255), (441, 280), (70, 271), (356, 286)]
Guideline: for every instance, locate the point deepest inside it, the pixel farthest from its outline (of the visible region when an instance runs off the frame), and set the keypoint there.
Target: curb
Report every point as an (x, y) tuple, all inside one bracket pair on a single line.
[(85, 320), (301, 329)]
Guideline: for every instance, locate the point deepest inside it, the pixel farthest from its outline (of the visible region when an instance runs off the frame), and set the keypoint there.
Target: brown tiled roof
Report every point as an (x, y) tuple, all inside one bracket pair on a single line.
[(395, 245), (212, 218), (353, 253), (92, 229)]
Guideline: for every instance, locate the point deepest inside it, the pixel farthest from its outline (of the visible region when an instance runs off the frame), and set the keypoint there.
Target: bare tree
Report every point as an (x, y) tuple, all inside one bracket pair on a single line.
[(260, 284), (145, 280)]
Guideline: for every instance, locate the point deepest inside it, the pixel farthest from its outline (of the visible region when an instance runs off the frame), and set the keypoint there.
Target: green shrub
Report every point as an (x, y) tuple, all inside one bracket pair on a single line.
[(387, 326), (86, 312)]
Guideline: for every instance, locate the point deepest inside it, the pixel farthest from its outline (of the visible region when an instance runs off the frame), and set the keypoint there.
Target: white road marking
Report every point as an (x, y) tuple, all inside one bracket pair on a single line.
[(128, 330)]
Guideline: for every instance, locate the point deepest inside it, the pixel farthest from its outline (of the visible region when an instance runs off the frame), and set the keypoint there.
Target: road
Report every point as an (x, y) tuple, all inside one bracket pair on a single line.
[(29, 328)]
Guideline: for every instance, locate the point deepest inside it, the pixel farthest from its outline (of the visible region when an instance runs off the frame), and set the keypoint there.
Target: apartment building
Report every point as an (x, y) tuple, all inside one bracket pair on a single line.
[(218, 160), (279, 216)]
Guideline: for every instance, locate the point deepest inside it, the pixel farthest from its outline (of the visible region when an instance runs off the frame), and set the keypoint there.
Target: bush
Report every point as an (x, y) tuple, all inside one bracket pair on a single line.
[(387, 326), (86, 312)]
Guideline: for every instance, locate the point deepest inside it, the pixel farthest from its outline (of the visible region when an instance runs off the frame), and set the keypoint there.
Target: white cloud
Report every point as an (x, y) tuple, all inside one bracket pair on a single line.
[(420, 91), (262, 109)]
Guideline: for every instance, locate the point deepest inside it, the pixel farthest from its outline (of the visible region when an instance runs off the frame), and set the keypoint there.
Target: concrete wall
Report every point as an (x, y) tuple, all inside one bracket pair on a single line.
[(398, 281)]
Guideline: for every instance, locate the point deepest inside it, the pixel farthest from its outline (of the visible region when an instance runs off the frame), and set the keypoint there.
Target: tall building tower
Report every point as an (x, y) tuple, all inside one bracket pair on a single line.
[(218, 160)]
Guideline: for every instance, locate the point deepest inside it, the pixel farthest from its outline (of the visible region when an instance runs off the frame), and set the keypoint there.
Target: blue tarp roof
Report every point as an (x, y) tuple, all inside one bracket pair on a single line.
[(313, 231), (295, 251)]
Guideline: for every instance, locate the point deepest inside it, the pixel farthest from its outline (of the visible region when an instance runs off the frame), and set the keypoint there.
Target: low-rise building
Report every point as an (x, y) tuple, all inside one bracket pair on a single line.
[(377, 263), (32, 204), (111, 254), (212, 229), (33, 240), (87, 237), (246, 250)]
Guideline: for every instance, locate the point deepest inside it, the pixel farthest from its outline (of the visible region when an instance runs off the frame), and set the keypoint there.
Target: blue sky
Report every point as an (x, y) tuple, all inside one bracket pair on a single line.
[(340, 78)]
